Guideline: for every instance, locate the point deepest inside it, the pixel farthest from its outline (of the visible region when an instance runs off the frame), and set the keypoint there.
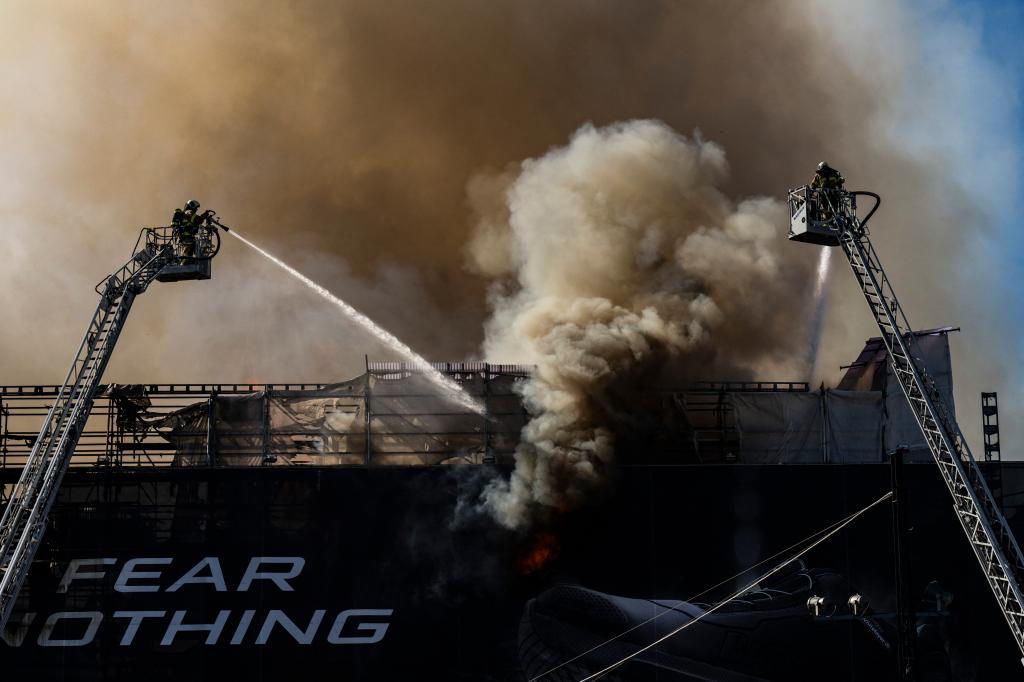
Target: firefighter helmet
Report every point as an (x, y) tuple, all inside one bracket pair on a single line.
[(192, 204)]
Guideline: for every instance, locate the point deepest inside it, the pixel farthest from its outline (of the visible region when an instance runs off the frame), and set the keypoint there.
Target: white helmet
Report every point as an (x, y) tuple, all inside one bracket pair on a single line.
[(823, 165)]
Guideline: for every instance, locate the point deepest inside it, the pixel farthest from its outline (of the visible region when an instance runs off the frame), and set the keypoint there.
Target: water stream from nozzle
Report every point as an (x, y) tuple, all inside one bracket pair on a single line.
[(449, 388), (818, 311)]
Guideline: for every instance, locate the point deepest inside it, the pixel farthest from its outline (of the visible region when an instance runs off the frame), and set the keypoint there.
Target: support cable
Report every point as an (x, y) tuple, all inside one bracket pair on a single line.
[(697, 596), (739, 593)]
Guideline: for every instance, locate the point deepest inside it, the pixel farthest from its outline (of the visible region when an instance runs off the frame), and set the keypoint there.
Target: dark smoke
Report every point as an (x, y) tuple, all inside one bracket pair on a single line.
[(345, 134)]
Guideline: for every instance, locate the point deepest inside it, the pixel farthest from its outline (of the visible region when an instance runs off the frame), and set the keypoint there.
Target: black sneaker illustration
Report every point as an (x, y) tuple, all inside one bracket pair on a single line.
[(799, 626)]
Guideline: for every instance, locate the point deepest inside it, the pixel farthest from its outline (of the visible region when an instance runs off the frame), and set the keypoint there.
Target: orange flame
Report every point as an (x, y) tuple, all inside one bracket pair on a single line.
[(543, 550)]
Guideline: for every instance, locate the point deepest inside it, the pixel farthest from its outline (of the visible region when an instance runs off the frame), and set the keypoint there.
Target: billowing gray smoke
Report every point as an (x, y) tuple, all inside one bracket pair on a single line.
[(613, 255)]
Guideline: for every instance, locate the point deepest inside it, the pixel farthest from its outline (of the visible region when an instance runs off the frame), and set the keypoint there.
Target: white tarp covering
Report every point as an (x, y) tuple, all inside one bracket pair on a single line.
[(854, 426), (808, 428), (843, 426), (778, 427)]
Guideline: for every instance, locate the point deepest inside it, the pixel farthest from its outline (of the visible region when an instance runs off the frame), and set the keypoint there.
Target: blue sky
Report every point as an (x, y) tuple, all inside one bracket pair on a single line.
[(987, 81), (1001, 23), (1000, 27)]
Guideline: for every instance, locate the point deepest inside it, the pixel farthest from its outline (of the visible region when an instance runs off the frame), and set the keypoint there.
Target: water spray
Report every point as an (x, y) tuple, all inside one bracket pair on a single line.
[(449, 388), (818, 314)]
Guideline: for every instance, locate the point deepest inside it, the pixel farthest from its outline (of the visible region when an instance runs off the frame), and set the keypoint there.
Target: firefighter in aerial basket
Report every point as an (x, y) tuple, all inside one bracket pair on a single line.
[(187, 222), (832, 184)]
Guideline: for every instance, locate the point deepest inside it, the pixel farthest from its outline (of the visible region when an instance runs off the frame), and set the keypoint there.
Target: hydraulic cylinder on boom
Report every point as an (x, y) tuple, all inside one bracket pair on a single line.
[(165, 254), (829, 217)]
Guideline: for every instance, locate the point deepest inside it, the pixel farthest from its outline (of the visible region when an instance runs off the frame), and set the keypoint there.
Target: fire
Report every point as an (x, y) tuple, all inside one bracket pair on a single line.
[(543, 550)]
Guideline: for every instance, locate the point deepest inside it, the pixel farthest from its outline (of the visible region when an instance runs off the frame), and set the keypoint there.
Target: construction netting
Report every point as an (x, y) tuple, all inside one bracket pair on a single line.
[(397, 419), (807, 428)]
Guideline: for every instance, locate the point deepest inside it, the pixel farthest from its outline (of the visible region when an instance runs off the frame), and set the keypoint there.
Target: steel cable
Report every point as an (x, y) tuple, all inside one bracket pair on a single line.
[(847, 521), (667, 610)]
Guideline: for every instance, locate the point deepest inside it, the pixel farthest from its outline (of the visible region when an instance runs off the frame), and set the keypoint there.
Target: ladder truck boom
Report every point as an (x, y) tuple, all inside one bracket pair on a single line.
[(829, 217), (160, 254)]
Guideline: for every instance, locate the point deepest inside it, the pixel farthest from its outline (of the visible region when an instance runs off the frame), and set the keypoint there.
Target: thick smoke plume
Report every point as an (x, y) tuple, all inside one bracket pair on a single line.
[(342, 135), (616, 255)]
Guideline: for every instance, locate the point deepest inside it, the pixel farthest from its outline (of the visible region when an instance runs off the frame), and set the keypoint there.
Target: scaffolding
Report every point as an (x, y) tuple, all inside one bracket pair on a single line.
[(387, 416), (990, 426)]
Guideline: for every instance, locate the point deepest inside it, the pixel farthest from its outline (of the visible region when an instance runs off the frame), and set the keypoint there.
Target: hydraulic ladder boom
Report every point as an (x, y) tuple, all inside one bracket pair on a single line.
[(158, 255), (829, 217)]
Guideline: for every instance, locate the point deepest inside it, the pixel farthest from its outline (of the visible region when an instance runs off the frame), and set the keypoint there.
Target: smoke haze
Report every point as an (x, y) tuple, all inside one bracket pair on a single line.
[(368, 142)]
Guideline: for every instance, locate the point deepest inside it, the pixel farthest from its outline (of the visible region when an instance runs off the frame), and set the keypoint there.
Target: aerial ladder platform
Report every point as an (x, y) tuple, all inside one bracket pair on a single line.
[(829, 217), (160, 254)]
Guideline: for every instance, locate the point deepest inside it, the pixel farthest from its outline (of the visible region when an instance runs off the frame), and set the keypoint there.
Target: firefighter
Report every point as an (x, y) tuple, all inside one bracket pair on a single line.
[(827, 177), (187, 222), (831, 183)]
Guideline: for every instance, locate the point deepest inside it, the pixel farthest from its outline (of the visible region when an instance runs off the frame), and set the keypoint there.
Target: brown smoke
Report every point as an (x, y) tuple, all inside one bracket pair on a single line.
[(343, 135), (622, 253)]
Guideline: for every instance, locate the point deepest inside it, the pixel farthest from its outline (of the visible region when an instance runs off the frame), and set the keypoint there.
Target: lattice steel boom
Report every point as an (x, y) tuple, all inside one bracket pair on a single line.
[(159, 254), (829, 217)]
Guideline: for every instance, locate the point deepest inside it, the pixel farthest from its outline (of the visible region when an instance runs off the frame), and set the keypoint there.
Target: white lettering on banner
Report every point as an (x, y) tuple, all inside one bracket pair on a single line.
[(72, 573), (279, 579), (300, 636), (45, 635), (216, 577), (177, 625), (378, 630), (367, 626), (243, 627), (136, 620), (128, 572), (145, 575)]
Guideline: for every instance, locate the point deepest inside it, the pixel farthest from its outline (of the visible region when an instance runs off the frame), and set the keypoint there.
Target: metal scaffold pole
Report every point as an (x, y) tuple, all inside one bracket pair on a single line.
[(906, 618)]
